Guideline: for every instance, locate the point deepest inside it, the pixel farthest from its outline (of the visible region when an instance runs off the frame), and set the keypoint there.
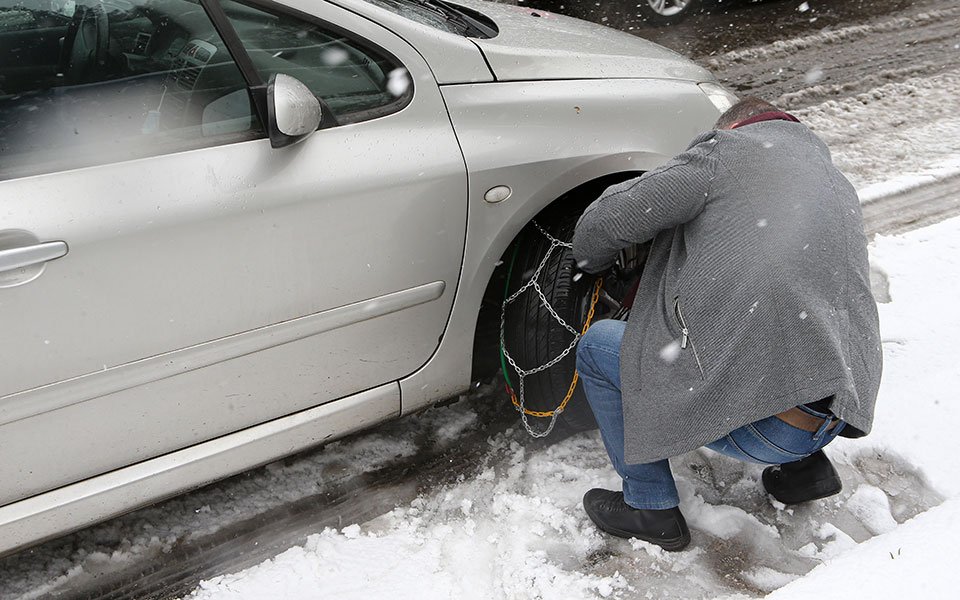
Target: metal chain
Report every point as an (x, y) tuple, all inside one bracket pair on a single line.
[(519, 402)]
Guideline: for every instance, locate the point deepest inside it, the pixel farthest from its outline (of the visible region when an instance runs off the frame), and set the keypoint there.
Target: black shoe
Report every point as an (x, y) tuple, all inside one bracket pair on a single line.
[(665, 528), (807, 479)]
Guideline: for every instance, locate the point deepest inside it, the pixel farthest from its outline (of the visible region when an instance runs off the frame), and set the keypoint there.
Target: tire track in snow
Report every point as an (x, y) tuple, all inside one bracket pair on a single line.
[(785, 48), (901, 128), (913, 208), (806, 70), (809, 95)]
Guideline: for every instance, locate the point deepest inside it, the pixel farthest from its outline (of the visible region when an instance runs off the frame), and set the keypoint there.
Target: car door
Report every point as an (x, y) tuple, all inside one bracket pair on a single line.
[(167, 277)]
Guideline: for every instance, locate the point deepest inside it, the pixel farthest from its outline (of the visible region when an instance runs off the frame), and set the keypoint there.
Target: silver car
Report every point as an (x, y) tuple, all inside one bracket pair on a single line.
[(231, 230)]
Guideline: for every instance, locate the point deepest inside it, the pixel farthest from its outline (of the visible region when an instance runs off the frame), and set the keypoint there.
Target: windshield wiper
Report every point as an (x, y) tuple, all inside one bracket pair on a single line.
[(465, 16), (454, 14)]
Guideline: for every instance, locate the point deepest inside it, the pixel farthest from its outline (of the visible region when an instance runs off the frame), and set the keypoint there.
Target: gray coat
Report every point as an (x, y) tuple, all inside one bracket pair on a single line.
[(758, 269)]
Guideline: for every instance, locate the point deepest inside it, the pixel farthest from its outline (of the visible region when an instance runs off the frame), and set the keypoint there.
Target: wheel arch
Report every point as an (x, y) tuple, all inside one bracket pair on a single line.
[(485, 353), (460, 358)]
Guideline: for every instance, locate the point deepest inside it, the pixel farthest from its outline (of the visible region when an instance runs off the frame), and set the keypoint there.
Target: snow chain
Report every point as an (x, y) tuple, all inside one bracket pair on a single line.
[(518, 402)]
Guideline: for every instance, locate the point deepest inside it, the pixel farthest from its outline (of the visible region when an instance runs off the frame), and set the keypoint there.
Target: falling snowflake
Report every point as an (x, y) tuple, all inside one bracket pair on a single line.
[(671, 352), (813, 75), (398, 82), (333, 57)]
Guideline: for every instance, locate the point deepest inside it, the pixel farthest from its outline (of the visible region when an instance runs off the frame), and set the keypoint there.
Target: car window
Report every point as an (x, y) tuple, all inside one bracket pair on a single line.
[(89, 82), (356, 80)]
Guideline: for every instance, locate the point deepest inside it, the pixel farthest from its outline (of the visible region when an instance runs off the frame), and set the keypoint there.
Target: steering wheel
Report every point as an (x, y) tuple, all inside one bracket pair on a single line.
[(83, 57)]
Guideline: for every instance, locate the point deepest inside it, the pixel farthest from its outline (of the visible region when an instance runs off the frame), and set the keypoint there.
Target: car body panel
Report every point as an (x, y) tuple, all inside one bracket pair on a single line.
[(534, 45), (584, 130), (155, 416), (191, 250), (72, 507), (549, 46)]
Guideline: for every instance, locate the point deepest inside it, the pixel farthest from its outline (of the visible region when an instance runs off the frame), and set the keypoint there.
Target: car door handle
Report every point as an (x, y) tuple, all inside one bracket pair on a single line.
[(16, 258)]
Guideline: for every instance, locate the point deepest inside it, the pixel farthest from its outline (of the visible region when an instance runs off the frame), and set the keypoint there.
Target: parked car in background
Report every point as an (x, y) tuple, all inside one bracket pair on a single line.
[(234, 229), (667, 11), (654, 12)]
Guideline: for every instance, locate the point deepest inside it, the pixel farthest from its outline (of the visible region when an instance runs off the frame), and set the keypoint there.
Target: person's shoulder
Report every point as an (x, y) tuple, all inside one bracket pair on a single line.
[(768, 134), (705, 144), (773, 126), (703, 141)]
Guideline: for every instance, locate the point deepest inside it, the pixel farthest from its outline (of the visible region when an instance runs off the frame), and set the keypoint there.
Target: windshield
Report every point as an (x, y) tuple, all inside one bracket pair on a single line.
[(442, 15)]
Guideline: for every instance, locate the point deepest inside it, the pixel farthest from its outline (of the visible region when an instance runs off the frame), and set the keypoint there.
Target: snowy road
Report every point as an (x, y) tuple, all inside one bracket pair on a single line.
[(847, 59), (774, 48), (471, 492)]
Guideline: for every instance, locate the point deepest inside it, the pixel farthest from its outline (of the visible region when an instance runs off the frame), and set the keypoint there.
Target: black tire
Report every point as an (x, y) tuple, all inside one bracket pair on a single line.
[(533, 337), (667, 12)]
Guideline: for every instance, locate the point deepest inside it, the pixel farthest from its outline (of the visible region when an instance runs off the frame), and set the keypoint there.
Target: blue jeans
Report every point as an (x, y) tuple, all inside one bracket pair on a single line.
[(651, 485)]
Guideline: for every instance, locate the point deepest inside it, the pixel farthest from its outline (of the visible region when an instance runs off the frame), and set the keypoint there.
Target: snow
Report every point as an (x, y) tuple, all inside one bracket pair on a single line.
[(924, 174), (154, 532), (871, 506), (918, 329), (438, 547), (916, 560), (895, 136), (398, 82)]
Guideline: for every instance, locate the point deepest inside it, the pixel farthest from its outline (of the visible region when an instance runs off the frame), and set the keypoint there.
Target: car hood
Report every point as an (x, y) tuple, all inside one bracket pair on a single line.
[(536, 44)]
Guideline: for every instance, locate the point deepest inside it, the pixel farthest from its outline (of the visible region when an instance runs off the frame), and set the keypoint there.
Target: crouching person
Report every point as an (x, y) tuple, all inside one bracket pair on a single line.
[(753, 332)]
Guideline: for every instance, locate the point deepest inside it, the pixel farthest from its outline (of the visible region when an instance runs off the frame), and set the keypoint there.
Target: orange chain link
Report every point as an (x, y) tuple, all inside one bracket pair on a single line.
[(576, 376)]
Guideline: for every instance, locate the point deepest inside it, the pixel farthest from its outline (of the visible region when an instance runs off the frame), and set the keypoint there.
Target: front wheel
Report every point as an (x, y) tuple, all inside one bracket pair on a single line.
[(538, 330), (666, 12)]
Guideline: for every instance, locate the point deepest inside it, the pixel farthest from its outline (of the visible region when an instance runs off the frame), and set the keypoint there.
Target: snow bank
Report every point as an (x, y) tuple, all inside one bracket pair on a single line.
[(916, 560), (919, 328), (917, 418)]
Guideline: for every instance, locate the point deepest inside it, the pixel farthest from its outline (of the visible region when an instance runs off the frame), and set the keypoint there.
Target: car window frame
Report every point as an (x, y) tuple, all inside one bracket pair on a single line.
[(258, 88), (260, 131)]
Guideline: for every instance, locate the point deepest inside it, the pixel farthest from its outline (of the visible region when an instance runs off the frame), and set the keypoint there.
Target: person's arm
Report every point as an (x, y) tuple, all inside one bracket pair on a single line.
[(634, 211)]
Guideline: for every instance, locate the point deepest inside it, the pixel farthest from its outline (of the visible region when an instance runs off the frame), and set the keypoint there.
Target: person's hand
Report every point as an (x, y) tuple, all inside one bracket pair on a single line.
[(613, 271)]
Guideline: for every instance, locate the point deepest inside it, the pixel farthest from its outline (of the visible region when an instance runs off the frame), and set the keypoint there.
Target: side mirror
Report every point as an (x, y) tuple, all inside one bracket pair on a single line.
[(294, 111)]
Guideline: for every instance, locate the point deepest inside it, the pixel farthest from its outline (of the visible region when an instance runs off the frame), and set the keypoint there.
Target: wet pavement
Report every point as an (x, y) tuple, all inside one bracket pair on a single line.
[(730, 24), (838, 48)]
